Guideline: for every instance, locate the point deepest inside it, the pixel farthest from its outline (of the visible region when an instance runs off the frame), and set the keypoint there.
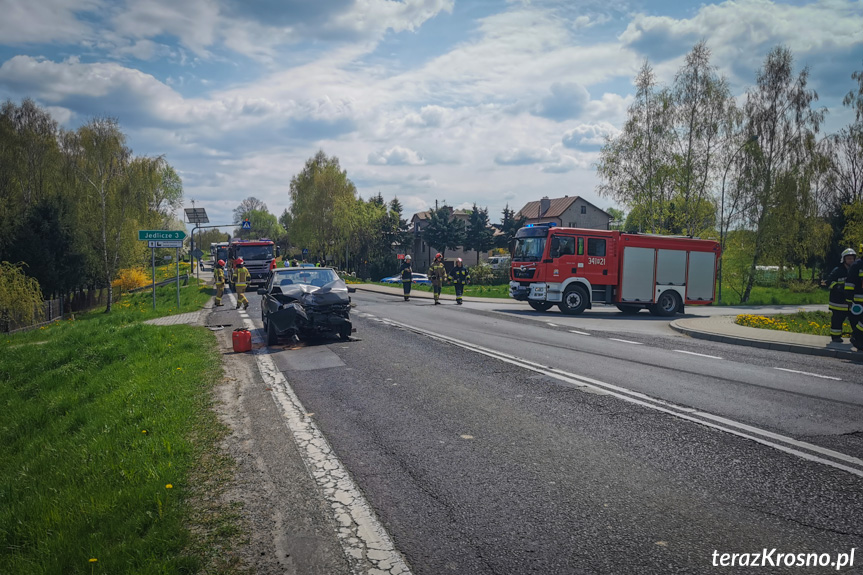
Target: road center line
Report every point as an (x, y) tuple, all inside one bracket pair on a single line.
[(578, 332), (807, 373), (801, 449), (626, 341), (551, 324), (698, 354)]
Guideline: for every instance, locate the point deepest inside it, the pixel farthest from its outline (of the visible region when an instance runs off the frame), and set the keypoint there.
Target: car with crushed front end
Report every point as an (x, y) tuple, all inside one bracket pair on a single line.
[(305, 303)]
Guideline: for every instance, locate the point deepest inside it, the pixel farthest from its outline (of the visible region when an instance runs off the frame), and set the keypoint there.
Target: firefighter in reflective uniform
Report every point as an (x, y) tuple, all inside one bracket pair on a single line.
[(835, 281), (854, 298), (459, 278), (242, 279), (406, 272), (437, 275), (219, 280)]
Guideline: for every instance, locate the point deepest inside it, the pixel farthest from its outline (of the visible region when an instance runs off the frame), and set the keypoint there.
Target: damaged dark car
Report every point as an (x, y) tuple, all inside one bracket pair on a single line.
[(305, 303)]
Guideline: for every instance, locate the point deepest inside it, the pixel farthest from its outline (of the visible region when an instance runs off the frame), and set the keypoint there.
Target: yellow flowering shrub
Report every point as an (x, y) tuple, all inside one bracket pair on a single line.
[(129, 279)]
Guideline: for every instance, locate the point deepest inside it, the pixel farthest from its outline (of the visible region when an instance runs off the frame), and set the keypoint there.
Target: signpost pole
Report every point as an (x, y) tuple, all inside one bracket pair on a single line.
[(153, 256), (178, 280)]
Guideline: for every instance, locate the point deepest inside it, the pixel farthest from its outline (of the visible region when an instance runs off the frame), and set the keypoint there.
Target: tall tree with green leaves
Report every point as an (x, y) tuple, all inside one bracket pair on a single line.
[(701, 102), (321, 200), (443, 231), (110, 200), (479, 236), (634, 166), (20, 297), (264, 225), (782, 124)]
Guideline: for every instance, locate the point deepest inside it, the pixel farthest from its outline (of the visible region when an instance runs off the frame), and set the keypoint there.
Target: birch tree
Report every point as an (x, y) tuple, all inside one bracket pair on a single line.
[(781, 123)]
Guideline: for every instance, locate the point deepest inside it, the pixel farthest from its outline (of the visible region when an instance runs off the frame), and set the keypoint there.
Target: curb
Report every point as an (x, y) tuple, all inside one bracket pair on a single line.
[(775, 345), (428, 295)]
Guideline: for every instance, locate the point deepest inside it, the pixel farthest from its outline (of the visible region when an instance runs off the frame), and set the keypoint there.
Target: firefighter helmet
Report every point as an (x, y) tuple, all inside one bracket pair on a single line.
[(408, 258), (848, 252), (221, 263), (239, 261), (458, 260), (438, 256)]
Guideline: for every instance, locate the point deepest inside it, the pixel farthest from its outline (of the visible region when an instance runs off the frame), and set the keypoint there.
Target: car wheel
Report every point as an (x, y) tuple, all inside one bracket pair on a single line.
[(540, 305), (574, 300), (345, 333), (667, 305), (629, 309), (272, 336)]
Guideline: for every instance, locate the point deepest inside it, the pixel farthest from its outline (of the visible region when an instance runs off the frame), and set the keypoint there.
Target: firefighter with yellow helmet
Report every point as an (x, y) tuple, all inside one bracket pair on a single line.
[(240, 282), (437, 275), (219, 280)]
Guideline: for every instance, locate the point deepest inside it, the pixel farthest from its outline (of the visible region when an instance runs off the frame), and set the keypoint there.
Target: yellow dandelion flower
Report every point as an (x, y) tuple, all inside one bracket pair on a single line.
[(169, 486), (93, 560), (144, 431)]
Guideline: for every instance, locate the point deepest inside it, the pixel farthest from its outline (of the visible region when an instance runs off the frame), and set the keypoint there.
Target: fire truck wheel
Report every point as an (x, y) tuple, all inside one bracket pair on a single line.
[(540, 305), (668, 304), (574, 300)]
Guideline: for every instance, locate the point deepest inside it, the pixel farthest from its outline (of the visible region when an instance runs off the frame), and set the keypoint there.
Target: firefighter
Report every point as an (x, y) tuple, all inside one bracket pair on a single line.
[(219, 279), (437, 275), (835, 281), (459, 278), (240, 283), (406, 272), (854, 299)]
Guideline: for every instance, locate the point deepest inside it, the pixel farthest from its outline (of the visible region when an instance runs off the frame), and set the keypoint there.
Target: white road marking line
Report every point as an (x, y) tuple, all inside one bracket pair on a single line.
[(366, 543), (807, 373), (578, 332), (698, 354), (626, 341), (551, 324), (777, 441)]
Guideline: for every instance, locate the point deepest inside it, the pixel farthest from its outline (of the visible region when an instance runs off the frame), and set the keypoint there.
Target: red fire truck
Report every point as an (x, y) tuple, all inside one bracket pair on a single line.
[(258, 257), (575, 268)]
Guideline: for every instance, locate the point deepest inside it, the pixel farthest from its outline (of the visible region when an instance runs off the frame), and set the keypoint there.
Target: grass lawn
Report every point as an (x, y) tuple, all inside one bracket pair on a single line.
[(107, 434)]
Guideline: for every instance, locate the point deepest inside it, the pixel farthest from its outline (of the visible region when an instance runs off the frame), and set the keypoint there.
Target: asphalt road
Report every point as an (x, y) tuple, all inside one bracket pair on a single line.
[(490, 439)]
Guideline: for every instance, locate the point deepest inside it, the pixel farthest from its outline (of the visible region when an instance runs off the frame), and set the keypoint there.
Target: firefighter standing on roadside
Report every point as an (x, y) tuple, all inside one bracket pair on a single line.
[(459, 278), (835, 281), (437, 275), (854, 298), (219, 280), (406, 272), (240, 283)]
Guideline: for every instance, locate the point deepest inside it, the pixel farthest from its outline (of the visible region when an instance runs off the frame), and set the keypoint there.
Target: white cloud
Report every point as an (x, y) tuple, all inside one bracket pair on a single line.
[(45, 21), (589, 135), (567, 100), (396, 156)]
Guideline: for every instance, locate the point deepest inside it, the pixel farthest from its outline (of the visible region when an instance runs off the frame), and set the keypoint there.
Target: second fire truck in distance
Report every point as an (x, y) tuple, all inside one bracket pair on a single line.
[(575, 268)]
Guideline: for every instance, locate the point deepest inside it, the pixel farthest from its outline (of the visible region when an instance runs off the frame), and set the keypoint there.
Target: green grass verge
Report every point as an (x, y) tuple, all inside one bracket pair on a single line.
[(107, 436), (811, 322), (776, 296)]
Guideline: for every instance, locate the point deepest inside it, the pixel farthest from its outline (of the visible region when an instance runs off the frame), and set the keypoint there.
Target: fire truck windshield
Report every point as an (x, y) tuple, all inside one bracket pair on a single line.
[(529, 249), (255, 252)]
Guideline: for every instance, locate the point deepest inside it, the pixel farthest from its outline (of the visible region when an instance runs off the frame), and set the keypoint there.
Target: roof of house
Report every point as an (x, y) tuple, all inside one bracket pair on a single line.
[(555, 210)]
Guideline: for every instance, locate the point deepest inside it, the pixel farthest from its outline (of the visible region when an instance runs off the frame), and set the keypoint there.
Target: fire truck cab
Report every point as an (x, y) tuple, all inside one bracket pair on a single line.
[(574, 268)]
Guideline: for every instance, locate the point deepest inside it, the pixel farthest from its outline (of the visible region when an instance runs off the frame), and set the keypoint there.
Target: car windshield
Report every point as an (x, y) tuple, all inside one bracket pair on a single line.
[(312, 276), (255, 252), (529, 249)]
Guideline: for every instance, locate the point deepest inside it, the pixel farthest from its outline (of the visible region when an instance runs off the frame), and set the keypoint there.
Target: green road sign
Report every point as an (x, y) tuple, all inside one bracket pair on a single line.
[(161, 234)]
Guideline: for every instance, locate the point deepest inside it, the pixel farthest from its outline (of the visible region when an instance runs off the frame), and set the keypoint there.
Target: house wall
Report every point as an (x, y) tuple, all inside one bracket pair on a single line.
[(593, 218)]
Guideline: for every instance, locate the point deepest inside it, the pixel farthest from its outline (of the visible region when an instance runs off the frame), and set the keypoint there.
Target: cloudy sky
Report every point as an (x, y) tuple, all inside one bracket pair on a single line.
[(486, 101)]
